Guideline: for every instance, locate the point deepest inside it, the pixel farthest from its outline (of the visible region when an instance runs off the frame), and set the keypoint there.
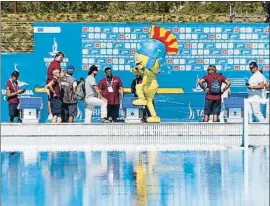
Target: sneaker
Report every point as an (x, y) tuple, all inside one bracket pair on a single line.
[(19, 121), (50, 117), (105, 121), (59, 120)]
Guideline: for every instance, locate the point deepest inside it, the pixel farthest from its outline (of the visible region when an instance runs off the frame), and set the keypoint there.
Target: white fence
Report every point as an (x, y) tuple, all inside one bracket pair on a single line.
[(164, 136)]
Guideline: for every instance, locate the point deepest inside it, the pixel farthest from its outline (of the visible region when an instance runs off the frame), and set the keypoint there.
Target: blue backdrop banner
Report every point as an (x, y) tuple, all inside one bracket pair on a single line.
[(228, 46)]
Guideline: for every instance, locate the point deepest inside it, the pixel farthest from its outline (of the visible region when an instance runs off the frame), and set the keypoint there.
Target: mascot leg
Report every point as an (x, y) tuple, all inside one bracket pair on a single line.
[(141, 99), (150, 94)]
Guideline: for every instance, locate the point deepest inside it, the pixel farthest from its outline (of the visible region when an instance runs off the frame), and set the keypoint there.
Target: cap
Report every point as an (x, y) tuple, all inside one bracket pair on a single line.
[(70, 69), (92, 69)]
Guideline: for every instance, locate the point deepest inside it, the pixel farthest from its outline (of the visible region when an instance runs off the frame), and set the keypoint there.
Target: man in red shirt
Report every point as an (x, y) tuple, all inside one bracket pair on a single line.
[(54, 94), (12, 96), (110, 87), (54, 65), (213, 92)]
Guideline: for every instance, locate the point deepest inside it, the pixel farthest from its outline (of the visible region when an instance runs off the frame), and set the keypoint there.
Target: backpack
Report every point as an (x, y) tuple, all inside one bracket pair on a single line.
[(67, 94), (215, 87), (80, 91)]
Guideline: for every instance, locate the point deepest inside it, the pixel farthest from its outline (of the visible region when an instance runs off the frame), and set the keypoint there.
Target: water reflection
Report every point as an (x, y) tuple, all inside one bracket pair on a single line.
[(134, 178)]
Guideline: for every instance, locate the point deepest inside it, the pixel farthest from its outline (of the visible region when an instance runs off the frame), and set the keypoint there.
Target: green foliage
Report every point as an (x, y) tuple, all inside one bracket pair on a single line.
[(136, 7), (266, 7)]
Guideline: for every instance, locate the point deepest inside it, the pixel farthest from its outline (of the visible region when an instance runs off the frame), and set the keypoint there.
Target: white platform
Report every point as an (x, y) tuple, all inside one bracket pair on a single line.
[(121, 136)]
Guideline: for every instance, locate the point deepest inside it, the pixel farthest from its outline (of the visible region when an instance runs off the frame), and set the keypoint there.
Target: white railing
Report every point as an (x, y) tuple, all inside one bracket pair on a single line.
[(261, 128)]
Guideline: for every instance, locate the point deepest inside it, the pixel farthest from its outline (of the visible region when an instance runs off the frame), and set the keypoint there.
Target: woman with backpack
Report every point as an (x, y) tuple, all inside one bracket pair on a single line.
[(213, 92)]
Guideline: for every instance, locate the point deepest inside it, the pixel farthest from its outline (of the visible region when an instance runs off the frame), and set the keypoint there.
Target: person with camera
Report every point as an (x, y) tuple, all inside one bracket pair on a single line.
[(255, 87), (13, 91)]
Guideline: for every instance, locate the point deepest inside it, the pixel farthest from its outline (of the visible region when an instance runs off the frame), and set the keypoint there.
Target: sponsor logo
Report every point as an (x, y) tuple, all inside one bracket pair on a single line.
[(258, 30), (85, 29), (197, 87), (203, 36), (169, 61), (145, 30), (54, 48), (188, 46), (107, 30), (236, 29), (54, 51), (121, 36), (175, 68), (137, 30), (198, 113)]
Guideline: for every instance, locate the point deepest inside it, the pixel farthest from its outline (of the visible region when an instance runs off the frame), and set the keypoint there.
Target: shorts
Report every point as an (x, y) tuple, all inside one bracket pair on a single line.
[(212, 107), (56, 106), (12, 109), (70, 110)]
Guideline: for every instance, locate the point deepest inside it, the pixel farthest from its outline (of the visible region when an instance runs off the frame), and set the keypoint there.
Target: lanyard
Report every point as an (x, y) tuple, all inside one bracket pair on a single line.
[(15, 86), (109, 84)]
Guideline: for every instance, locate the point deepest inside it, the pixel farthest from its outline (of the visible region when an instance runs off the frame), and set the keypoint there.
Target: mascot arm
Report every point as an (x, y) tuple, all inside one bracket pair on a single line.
[(135, 71)]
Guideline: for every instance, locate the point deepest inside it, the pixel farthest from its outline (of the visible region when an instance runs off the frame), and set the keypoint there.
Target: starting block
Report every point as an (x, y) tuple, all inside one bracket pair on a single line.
[(235, 109), (29, 108), (133, 114)]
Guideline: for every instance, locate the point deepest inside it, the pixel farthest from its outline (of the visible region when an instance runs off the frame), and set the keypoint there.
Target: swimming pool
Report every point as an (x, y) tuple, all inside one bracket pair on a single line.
[(136, 178)]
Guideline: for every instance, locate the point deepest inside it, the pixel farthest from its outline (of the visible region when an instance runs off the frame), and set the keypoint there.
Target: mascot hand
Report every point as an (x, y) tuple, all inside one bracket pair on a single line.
[(135, 71)]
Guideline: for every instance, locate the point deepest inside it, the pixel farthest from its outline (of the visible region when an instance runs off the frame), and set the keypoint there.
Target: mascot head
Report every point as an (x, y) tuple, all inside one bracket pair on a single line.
[(151, 54)]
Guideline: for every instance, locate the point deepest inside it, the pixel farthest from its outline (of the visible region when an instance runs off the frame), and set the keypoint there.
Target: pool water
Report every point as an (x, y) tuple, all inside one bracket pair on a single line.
[(136, 178)]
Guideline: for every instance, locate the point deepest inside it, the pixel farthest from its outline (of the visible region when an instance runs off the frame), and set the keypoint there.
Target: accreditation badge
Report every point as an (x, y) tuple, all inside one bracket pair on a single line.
[(110, 89)]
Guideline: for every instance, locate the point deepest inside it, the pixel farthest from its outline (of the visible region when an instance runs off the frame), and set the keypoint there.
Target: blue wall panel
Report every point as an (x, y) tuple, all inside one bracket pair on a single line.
[(228, 46)]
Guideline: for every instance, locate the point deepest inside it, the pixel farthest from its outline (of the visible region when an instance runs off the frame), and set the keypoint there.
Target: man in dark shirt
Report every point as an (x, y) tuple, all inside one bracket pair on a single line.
[(12, 96), (54, 94), (138, 80), (110, 87), (213, 99), (54, 65)]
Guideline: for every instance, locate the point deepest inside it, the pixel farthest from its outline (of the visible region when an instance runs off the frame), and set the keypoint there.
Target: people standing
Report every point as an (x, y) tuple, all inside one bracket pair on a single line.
[(13, 91), (54, 93), (93, 97), (226, 94), (68, 90), (255, 87), (54, 65), (213, 92), (111, 88)]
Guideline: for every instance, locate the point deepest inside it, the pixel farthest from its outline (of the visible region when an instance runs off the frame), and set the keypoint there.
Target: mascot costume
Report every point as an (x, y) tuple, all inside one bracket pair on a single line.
[(150, 60)]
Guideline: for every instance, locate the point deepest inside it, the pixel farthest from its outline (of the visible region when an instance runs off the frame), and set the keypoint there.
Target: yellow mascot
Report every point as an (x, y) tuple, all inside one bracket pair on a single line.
[(150, 60)]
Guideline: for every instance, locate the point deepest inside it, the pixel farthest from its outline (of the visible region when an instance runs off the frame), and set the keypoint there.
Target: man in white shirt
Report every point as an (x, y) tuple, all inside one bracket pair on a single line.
[(255, 86), (93, 97)]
